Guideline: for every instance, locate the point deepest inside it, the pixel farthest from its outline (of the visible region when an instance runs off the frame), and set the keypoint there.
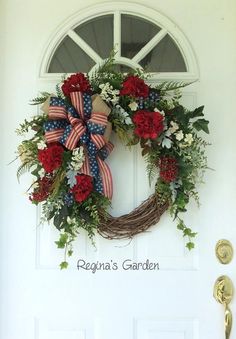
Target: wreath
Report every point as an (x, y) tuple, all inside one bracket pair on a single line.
[(71, 140)]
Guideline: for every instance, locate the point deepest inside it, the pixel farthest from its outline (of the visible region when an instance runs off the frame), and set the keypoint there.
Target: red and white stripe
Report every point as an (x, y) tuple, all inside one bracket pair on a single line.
[(78, 102), (57, 112), (98, 140), (99, 118), (106, 177), (109, 147), (54, 136), (74, 136), (85, 169)]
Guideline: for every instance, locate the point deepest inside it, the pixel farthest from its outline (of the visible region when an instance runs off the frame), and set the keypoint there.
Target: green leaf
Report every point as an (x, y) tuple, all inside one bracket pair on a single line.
[(187, 231), (180, 225), (63, 265), (64, 212), (198, 112), (61, 243), (36, 170), (190, 245), (57, 220), (201, 125), (70, 252)]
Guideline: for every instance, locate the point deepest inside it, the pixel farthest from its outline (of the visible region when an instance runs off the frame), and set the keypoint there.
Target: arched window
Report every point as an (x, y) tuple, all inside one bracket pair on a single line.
[(142, 38)]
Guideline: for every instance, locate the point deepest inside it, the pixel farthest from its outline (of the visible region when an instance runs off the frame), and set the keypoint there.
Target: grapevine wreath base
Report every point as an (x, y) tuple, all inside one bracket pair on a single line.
[(67, 153), (137, 221)]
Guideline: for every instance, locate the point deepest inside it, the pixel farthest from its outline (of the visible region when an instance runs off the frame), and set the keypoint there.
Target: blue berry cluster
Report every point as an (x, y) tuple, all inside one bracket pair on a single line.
[(150, 101), (68, 199)]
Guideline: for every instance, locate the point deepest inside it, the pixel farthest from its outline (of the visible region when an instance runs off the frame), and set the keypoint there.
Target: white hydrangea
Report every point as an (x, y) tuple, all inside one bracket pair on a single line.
[(77, 158), (179, 135), (133, 106), (108, 93)]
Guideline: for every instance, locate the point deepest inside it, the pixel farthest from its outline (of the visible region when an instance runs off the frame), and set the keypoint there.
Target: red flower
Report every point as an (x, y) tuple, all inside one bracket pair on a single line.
[(76, 83), (134, 86), (168, 169), (148, 125), (51, 157), (42, 191), (83, 187)]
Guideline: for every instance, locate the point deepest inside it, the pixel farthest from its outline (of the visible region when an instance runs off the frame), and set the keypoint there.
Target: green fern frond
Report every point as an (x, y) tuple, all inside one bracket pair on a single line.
[(59, 92), (40, 99), (172, 85), (151, 167), (24, 167)]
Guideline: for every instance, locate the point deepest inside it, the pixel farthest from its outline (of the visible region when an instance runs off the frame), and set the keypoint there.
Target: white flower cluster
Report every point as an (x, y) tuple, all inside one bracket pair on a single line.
[(133, 106), (187, 138), (109, 94), (77, 158), (41, 144)]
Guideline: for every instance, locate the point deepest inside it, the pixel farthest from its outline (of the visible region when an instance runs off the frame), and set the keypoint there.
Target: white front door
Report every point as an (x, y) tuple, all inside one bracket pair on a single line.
[(38, 301)]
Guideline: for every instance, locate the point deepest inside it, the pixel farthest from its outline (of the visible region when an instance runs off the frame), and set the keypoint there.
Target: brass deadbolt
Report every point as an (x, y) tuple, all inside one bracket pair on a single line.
[(224, 251)]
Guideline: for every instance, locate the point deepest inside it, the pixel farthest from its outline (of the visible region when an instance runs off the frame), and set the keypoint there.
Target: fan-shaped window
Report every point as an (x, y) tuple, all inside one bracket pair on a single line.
[(141, 43), (142, 38)]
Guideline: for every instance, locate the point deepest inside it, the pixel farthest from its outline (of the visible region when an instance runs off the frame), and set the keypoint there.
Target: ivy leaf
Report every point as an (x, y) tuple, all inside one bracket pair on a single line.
[(36, 170), (198, 112), (57, 220), (63, 265), (201, 125), (190, 245), (70, 252), (180, 225), (64, 211), (61, 243)]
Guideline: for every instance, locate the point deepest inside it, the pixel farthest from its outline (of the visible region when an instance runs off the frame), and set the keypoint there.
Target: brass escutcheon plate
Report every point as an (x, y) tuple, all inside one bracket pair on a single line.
[(224, 251), (223, 290)]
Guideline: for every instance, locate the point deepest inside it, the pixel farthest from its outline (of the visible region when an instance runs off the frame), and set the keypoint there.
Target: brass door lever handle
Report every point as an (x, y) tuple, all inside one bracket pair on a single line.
[(223, 293), (228, 321)]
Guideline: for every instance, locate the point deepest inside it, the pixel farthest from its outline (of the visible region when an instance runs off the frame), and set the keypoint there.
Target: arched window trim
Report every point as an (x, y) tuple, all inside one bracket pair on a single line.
[(118, 8)]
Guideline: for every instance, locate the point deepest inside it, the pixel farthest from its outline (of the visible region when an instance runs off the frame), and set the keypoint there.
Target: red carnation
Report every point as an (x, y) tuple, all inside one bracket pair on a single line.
[(148, 125), (134, 86), (168, 169), (83, 187), (76, 83), (42, 191), (51, 157)]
